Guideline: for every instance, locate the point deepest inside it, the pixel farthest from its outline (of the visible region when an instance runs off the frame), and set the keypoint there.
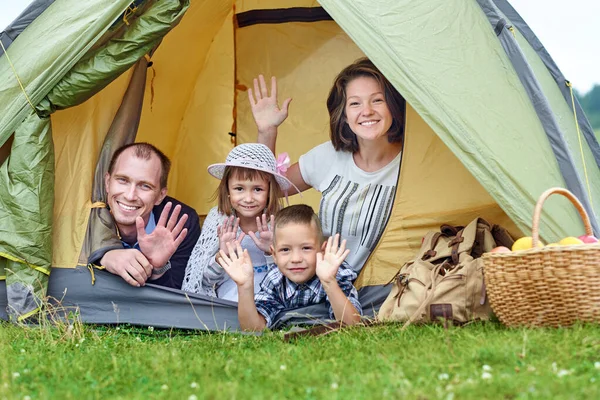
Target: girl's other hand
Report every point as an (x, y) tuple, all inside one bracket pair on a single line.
[(264, 240)]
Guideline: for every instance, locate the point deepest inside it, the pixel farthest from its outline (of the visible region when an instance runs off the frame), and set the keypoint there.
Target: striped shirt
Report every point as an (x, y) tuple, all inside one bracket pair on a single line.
[(354, 203)]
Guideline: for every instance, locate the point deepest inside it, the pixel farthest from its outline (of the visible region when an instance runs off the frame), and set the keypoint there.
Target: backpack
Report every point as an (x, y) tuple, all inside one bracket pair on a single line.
[(445, 280)]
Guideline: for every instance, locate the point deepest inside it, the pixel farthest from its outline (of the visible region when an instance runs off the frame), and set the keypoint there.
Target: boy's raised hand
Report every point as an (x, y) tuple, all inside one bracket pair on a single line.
[(265, 110), (265, 230), (329, 262), (228, 233), (238, 265)]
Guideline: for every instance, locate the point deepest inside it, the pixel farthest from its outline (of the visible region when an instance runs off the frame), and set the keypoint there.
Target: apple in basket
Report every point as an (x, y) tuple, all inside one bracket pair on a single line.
[(500, 249), (588, 239), (525, 243)]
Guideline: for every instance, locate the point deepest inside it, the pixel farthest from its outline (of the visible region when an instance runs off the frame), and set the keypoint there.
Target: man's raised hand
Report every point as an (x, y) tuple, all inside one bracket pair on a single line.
[(161, 244), (328, 263)]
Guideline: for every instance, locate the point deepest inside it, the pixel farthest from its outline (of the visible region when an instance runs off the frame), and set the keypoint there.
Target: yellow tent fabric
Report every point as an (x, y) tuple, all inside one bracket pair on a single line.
[(195, 95)]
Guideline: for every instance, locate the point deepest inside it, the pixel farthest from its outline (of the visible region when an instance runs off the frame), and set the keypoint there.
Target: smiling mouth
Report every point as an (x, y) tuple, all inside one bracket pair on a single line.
[(368, 123), (125, 207), (297, 270)]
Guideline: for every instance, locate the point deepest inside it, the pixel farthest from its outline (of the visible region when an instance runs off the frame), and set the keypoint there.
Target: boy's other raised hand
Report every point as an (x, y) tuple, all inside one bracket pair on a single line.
[(265, 108), (228, 233), (329, 261), (265, 232), (238, 265)]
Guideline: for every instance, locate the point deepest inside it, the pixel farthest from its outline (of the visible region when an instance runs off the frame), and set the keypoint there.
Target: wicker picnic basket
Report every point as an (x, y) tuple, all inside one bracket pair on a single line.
[(547, 286)]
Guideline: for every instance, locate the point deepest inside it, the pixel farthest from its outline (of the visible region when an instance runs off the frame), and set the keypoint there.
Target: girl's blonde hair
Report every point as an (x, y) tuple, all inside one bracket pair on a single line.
[(222, 193)]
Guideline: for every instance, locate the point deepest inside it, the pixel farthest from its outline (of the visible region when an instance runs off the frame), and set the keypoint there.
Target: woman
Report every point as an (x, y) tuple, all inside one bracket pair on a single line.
[(357, 171)]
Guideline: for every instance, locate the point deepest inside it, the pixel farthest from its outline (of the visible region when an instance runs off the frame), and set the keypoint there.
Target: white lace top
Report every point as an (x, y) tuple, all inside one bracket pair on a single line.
[(203, 275)]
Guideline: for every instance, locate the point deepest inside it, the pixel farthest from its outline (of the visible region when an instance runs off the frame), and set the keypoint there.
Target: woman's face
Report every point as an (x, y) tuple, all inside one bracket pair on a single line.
[(367, 113)]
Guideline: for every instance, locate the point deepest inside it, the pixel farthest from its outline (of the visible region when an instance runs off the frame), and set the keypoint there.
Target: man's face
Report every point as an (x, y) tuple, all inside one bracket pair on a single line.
[(133, 189), (295, 251)]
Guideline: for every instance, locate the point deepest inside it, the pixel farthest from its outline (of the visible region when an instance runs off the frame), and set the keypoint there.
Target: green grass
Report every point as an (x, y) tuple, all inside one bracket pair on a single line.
[(424, 362)]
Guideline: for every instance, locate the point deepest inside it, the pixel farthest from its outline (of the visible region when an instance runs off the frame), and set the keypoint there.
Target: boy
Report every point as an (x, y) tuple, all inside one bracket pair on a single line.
[(303, 276)]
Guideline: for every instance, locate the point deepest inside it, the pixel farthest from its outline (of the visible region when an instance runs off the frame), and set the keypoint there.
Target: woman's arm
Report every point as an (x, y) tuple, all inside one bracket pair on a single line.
[(294, 175)]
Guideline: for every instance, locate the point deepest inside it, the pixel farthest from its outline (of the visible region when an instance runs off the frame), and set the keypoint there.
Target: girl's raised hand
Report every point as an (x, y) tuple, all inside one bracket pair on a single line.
[(265, 110), (265, 232), (228, 233)]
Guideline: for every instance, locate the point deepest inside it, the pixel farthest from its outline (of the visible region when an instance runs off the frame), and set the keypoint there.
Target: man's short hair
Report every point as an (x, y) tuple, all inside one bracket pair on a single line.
[(144, 151), (298, 214)]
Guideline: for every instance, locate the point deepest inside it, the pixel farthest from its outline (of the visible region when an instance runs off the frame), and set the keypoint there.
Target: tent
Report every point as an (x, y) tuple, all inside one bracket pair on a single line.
[(491, 123)]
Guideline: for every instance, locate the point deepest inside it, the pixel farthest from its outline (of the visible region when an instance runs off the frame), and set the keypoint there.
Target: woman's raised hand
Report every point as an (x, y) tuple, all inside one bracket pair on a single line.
[(228, 233), (265, 232), (265, 109)]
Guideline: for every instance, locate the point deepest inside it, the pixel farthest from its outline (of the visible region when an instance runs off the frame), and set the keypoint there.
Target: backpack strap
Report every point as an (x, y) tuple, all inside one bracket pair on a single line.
[(434, 241), (455, 243)]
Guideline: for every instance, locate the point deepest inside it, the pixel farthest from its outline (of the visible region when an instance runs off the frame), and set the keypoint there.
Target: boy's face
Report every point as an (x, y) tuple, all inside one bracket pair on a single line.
[(295, 251)]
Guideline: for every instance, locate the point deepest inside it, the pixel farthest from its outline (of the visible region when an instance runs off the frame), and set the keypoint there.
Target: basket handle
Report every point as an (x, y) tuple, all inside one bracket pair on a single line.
[(538, 211)]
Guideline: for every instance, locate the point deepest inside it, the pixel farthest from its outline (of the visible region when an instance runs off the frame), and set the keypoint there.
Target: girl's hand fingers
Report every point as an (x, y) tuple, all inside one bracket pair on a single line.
[(236, 225), (231, 251), (242, 236), (264, 222), (258, 224)]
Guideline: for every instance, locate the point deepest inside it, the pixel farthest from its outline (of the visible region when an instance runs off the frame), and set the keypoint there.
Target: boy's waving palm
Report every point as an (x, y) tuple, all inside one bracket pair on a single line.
[(329, 262), (237, 264)]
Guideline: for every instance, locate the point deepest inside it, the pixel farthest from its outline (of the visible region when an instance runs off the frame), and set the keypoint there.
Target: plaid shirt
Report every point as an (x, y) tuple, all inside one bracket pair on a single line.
[(277, 293)]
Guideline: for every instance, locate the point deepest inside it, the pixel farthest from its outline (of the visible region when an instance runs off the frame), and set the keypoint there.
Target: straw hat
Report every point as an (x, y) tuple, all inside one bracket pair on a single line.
[(255, 156)]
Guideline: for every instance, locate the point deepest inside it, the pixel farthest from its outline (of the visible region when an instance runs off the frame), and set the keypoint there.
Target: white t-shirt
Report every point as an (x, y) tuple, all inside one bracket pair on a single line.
[(354, 203)]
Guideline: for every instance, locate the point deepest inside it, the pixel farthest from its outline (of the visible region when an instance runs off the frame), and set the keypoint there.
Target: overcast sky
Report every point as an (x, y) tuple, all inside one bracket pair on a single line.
[(569, 29)]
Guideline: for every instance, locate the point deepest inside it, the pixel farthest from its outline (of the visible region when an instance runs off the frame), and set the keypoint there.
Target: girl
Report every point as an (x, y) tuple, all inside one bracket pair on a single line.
[(251, 182), (357, 170)]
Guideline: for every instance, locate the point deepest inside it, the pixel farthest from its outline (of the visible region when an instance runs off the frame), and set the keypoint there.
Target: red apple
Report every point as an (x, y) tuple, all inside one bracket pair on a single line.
[(500, 249), (588, 239)]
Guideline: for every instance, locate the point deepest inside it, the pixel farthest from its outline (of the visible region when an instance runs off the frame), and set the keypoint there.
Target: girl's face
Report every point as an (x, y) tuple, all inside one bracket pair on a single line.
[(367, 113), (248, 197)]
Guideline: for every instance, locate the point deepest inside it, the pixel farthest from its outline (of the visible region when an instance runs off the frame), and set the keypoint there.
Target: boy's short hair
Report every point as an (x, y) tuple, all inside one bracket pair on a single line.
[(298, 214)]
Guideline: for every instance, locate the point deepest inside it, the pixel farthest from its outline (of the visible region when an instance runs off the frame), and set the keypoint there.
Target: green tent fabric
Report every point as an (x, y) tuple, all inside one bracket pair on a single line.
[(26, 194)]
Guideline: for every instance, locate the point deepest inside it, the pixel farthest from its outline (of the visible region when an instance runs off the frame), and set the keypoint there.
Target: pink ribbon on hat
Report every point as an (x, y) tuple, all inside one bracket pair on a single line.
[(283, 163)]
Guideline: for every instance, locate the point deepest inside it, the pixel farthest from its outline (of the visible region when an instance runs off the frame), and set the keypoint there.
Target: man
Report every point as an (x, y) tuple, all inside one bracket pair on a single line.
[(156, 242)]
